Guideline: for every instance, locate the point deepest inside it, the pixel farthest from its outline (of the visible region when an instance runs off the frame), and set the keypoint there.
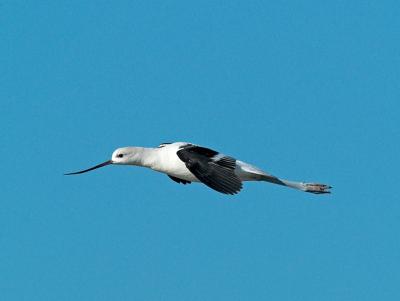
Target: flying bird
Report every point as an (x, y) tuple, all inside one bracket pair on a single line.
[(186, 163)]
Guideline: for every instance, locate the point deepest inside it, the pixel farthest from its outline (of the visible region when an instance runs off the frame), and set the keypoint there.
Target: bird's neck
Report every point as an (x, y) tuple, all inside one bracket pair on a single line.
[(144, 157)]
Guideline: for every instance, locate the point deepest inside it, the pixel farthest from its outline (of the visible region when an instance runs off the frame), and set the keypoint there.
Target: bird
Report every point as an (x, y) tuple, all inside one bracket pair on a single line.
[(185, 163)]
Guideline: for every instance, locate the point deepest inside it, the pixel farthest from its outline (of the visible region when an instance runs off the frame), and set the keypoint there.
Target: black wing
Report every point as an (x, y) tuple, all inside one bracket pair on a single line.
[(214, 170), (184, 182)]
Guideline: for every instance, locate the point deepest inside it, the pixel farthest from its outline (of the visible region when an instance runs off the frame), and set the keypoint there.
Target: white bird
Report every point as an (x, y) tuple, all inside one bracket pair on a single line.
[(186, 162)]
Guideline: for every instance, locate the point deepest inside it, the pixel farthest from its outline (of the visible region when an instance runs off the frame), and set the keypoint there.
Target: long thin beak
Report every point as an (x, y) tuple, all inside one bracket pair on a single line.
[(89, 169)]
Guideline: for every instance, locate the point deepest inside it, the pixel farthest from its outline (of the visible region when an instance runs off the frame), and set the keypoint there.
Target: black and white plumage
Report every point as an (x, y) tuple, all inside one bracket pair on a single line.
[(185, 163), (214, 170)]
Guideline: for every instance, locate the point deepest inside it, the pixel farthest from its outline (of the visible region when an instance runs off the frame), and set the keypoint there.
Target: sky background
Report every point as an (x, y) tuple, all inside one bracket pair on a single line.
[(306, 90)]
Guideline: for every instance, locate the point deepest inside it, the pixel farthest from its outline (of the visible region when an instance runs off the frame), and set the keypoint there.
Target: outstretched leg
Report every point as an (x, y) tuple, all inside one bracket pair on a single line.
[(249, 172), (307, 187)]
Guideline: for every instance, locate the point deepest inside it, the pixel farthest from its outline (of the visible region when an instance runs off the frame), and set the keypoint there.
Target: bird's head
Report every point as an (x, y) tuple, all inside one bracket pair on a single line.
[(126, 155), (121, 156)]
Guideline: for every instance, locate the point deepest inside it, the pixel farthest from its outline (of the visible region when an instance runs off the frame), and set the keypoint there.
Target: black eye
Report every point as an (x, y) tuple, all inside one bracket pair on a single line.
[(120, 155)]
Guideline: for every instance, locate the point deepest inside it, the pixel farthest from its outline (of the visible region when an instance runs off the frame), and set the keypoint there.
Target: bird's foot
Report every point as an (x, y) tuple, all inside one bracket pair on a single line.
[(316, 188)]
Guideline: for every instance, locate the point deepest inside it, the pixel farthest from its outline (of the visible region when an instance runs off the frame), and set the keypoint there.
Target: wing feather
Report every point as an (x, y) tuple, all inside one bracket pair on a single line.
[(215, 171)]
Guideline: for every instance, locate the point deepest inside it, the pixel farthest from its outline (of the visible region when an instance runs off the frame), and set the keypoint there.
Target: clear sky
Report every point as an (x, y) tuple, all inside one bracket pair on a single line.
[(306, 90)]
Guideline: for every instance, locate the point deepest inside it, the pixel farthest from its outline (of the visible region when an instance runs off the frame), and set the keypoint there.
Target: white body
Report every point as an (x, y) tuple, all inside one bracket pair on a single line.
[(166, 160)]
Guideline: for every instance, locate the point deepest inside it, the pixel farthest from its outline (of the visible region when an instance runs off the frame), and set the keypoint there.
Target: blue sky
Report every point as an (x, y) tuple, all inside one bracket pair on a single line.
[(306, 90)]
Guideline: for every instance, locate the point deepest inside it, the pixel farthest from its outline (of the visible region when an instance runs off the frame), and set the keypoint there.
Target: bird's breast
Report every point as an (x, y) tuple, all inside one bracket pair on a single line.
[(168, 162)]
